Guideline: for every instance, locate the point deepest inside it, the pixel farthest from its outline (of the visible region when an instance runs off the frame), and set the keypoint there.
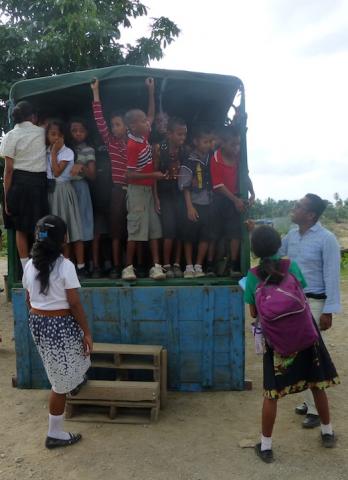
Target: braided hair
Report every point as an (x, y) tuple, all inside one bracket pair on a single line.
[(265, 242), (49, 239)]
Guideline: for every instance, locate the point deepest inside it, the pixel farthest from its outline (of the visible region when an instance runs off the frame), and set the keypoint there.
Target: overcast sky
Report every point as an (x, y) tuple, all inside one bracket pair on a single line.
[(292, 56)]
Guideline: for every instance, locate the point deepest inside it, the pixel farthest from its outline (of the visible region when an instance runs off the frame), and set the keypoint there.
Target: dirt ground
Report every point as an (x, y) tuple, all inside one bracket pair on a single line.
[(197, 436)]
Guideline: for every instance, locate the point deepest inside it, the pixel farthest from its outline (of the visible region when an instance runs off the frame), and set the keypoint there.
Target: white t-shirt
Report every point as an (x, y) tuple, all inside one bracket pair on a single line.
[(63, 277), (65, 154), (26, 145)]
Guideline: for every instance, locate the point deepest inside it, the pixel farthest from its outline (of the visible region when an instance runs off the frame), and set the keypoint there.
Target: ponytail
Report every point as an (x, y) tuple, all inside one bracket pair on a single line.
[(271, 269), (48, 246)]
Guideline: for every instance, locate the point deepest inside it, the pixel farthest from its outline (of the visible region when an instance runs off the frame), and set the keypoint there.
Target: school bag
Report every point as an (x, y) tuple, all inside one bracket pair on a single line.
[(284, 313)]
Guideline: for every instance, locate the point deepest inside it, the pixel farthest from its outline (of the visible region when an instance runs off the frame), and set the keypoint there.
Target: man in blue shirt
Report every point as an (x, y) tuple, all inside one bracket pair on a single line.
[(316, 251)]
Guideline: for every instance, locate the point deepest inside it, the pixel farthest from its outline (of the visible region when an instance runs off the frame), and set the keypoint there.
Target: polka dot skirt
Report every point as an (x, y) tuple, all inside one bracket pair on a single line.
[(59, 342)]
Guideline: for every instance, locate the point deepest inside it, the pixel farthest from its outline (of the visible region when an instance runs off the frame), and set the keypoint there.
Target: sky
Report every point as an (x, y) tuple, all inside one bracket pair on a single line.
[(292, 56)]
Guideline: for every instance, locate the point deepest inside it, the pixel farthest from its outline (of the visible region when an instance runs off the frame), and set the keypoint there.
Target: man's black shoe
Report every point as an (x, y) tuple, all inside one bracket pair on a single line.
[(301, 409), (311, 421)]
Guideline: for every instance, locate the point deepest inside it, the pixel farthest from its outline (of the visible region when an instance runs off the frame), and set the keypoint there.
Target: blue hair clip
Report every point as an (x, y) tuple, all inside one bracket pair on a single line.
[(42, 234)]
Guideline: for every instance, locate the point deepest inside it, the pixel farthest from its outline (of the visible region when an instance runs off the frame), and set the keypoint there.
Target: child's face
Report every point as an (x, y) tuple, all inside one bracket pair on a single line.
[(140, 125), (161, 123), (231, 146), (78, 132), (202, 144), (53, 134), (178, 136), (118, 127), (213, 141)]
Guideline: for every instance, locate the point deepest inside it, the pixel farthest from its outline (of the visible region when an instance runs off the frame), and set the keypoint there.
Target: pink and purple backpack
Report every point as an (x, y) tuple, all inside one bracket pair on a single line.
[(285, 316)]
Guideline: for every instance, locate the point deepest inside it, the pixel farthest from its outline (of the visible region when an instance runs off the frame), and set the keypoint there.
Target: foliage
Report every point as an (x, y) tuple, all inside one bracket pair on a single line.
[(3, 244), (47, 37), (335, 212)]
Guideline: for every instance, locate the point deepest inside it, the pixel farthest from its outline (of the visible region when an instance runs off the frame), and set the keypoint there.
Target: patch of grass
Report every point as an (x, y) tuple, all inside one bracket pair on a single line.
[(3, 244)]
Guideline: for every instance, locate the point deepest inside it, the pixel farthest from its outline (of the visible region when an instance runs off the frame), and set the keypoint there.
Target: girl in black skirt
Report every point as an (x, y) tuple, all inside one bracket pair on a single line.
[(311, 368), (25, 182)]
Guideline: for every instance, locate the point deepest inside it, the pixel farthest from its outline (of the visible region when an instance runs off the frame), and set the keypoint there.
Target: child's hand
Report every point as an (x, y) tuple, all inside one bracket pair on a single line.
[(95, 84), (57, 145), (76, 170), (192, 214), (150, 83), (251, 199), (87, 344), (250, 224), (239, 204), (160, 175)]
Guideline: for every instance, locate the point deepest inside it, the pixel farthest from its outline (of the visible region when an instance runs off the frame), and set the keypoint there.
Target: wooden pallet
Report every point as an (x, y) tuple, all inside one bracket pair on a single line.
[(116, 398), (124, 357)]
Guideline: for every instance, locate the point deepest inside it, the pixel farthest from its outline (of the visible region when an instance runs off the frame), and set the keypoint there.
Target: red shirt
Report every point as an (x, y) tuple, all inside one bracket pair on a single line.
[(117, 148), (139, 159), (223, 173)]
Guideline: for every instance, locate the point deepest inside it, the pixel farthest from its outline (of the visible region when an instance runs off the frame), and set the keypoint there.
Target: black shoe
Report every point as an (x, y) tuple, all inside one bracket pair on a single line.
[(311, 421), (97, 273), (265, 455), (301, 409), (115, 273), (56, 442), (210, 270), (328, 441), (82, 273)]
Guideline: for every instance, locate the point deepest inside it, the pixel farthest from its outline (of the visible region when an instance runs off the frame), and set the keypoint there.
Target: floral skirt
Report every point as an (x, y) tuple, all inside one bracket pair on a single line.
[(310, 368), (59, 342)]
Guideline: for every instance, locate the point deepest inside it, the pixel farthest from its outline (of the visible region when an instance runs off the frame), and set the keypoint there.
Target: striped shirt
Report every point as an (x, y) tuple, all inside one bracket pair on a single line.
[(139, 158), (117, 148), (318, 255)]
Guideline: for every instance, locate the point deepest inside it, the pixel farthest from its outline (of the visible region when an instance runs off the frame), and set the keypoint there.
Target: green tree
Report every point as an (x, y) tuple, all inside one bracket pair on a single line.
[(47, 37)]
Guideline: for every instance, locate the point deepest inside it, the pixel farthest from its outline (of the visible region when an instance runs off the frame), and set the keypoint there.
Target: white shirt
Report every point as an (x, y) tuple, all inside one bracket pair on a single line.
[(65, 154), (63, 277), (26, 145)]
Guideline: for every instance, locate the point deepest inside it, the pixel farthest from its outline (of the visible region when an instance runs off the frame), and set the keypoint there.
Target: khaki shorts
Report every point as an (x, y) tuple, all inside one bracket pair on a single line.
[(143, 223)]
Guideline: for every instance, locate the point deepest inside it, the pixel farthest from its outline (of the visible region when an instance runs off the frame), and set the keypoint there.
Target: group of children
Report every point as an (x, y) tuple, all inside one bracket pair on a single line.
[(186, 193)]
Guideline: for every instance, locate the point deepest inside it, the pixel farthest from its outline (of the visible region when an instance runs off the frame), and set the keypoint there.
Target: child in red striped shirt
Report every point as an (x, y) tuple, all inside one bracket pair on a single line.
[(116, 142)]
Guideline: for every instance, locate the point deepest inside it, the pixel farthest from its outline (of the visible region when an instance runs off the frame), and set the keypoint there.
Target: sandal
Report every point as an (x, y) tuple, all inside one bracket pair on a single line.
[(57, 442), (265, 455), (76, 390)]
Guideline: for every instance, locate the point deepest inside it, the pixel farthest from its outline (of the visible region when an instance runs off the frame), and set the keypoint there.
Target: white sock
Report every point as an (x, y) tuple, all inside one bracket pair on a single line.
[(266, 443), (24, 261), (158, 265), (189, 268), (55, 427), (80, 265), (198, 266), (167, 266), (326, 429)]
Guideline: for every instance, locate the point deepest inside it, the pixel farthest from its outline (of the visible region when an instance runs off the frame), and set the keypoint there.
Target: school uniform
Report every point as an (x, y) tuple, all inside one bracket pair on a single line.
[(58, 338), (283, 375), (170, 197), (27, 196), (62, 198), (84, 155), (143, 223), (194, 175)]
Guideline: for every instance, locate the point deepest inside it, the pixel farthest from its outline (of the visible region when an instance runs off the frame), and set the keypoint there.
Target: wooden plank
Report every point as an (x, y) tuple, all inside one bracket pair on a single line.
[(127, 349), (99, 414), (163, 380), (110, 403), (128, 365), (119, 390)]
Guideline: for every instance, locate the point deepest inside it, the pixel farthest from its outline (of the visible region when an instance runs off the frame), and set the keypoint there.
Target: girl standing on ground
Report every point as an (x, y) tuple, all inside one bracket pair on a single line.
[(25, 184), (310, 368), (62, 198), (57, 322)]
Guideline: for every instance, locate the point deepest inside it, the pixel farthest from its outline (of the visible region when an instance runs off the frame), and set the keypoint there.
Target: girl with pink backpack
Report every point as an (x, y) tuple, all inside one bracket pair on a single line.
[(295, 356)]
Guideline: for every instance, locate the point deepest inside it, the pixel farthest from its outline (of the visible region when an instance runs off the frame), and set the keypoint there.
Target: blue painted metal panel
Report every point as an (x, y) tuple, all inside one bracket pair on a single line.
[(202, 328)]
